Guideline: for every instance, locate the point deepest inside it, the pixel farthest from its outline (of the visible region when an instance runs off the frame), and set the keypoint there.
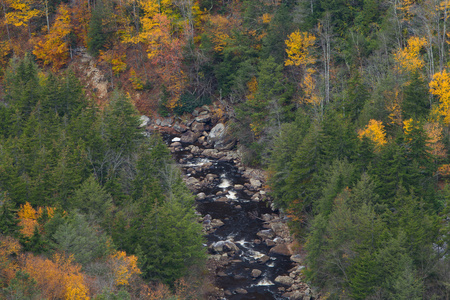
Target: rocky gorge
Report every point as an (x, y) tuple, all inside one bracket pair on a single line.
[(251, 252)]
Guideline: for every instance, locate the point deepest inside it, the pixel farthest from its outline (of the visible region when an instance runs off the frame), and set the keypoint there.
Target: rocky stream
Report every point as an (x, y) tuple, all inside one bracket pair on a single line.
[(249, 245)]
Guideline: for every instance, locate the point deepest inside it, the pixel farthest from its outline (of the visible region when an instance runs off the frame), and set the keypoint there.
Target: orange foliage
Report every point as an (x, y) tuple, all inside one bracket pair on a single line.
[(9, 246), (80, 22), (57, 279), (434, 133), (54, 48), (165, 52)]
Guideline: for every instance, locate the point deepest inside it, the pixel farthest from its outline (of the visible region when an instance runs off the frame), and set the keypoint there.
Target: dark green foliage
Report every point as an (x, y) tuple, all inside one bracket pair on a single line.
[(8, 221), (92, 200), (21, 287), (172, 241), (188, 102), (96, 37), (415, 98)]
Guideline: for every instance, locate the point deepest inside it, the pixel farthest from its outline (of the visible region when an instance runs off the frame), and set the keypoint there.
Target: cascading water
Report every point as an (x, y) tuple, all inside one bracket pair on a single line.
[(249, 270)]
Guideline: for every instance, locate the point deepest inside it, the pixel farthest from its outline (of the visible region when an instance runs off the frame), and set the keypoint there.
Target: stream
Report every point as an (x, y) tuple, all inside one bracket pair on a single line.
[(232, 219)]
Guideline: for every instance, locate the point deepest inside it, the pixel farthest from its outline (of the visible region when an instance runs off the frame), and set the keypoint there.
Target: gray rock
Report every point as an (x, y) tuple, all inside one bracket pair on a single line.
[(201, 196), (266, 217), (203, 118), (175, 144), (238, 187), (215, 223), (180, 128), (270, 243), (266, 234), (241, 291), (189, 137), (166, 122), (285, 280), (144, 121), (256, 273), (197, 127), (219, 137), (255, 183), (297, 258), (224, 246)]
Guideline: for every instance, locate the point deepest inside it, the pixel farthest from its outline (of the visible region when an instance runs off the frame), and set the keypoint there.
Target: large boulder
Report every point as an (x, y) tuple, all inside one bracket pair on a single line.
[(266, 234), (144, 121), (281, 249), (190, 137), (224, 246), (220, 138), (285, 280)]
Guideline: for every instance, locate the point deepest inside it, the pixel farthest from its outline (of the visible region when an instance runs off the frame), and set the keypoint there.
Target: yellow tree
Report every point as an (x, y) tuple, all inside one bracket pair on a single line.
[(28, 219), (21, 12), (375, 132), (298, 49), (409, 58), (123, 267), (440, 87), (54, 48)]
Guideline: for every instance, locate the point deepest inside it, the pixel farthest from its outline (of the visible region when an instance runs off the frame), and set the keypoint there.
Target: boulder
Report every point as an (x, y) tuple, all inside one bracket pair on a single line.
[(220, 138), (180, 128), (285, 280), (197, 127), (297, 258), (203, 118), (215, 223), (165, 122), (266, 234), (241, 291), (189, 137), (281, 249), (256, 273), (144, 121), (238, 187), (295, 295), (264, 259), (175, 144), (224, 246), (201, 196), (255, 183)]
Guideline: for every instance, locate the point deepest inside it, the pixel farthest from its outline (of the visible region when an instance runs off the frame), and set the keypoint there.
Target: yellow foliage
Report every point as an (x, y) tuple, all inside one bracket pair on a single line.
[(409, 58), (440, 86), (310, 95), (252, 86), (266, 18), (22, 12), (298, 49), (28, 219), (434, 142), (375, 132), (54, 48), (136, 82), (394, 107), (123, 267)]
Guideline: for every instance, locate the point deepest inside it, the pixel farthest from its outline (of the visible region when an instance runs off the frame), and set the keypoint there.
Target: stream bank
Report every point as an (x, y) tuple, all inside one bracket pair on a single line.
[(251, 253)]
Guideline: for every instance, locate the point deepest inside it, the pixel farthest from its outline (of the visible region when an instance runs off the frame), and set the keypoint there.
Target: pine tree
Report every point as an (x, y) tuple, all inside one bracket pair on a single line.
[(415, 103)]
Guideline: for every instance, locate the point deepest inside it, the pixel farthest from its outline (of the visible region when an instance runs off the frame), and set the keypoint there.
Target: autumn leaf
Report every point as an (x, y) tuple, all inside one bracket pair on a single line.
[(298, 49), (375, 132)]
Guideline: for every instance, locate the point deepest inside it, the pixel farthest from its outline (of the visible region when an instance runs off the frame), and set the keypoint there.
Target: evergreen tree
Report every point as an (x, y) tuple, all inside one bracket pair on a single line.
[(8, 220), (415, 98), (96, 37)]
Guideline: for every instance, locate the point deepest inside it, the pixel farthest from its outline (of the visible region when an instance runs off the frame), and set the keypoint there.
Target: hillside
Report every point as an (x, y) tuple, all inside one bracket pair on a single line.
[(344, 104)]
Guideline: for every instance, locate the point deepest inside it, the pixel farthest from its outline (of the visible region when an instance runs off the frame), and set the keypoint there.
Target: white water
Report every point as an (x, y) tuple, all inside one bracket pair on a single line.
[(265, 282), (224, 184)]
